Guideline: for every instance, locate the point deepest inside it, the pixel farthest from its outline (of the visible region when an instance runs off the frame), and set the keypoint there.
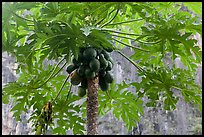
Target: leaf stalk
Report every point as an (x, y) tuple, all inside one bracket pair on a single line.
[(130, 45), (135, 64)]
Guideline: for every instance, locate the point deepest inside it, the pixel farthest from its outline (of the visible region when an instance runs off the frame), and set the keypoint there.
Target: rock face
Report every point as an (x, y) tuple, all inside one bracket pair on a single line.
[(186, 119)]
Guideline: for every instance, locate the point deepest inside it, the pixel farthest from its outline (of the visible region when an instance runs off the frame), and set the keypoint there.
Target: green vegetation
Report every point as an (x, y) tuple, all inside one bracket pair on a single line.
[(78, 32)]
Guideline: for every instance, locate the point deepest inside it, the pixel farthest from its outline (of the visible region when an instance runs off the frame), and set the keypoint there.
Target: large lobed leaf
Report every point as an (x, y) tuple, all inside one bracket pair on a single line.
[(124, 104)]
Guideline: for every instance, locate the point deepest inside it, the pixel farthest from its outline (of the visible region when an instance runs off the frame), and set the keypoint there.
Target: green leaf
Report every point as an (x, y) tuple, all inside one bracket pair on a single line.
[(124, 104), (170, 101), (198, 53), (13, 87), (196, 7), (26, 5), (18, 107), (151, 104), (5, 99)]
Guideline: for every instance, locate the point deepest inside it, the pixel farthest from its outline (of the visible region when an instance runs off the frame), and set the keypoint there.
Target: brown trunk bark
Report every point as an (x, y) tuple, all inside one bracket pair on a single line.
[(92, 106)]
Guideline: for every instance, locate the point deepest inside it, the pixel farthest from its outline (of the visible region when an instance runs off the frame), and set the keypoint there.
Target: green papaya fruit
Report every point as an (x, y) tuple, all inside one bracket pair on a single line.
[(81, 70), (111, 60), (110, 66), (85, 62), (109, 49), (75, 62), (106, 55), (103, 62), (84, 83), (108, 77), (102, 72), (103, 84), (98, 51), (70, 68), (81, 50), (81, 91), (89, 73), (94, 65), (75, 79), (89, 53), (80, 58)]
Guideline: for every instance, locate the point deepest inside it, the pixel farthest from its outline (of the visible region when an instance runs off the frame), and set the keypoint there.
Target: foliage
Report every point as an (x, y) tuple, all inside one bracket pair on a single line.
[(124, 104), (36, 31), (158, 83)]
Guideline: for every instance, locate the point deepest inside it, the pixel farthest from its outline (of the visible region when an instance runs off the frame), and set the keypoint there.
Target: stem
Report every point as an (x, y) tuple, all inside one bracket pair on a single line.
[(149, 42), (120, 32), (111, 12), (117, 23), (68, 93), (92, 106), (102, 18), (123, 37), (130, 45), (59, 70), (136, 39), (61, 88), (135, 64), (51, 75), (99, 21), (111, 19), (21, 17), (157, 81), (67, 97), (176, 87)]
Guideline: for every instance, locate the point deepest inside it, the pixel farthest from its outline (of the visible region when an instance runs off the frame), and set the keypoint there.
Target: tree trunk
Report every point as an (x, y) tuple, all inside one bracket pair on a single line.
[(92, 106)]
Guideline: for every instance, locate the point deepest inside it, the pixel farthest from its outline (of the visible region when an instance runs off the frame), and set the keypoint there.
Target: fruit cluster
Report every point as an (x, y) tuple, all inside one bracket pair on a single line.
[(91, 62)]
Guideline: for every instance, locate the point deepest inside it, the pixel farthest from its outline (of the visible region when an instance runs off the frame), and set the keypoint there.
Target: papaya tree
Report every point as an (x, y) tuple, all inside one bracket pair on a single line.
[(81, 36)]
